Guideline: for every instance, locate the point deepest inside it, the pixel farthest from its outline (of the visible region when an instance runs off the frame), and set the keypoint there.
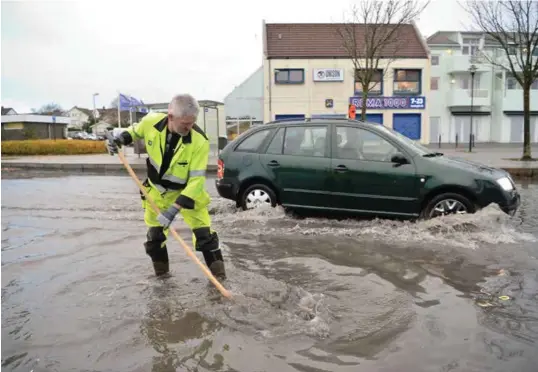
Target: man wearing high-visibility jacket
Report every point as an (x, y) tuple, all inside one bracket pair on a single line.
[(178, 152)]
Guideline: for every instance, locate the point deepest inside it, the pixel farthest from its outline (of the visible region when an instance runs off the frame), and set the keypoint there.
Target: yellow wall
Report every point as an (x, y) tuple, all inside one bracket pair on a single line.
[(309, 98)]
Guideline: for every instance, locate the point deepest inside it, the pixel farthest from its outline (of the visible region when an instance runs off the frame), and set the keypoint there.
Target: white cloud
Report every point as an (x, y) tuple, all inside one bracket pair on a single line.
[(65, 51)]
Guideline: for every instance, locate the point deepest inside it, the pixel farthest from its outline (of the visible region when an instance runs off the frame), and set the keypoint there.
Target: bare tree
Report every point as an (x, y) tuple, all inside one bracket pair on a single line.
[(371, 38), (513, 26), (49, 109)]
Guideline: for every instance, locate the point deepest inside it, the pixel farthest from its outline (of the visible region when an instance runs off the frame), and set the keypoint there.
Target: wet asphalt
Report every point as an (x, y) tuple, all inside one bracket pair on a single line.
[(310, 295)]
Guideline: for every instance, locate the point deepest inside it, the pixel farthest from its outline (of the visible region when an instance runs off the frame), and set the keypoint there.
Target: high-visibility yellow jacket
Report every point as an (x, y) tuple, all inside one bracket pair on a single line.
[(187, 169)]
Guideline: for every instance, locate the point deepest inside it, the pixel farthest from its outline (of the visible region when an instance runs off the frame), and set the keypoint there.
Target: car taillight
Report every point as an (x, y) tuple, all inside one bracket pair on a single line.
[(220, 169)]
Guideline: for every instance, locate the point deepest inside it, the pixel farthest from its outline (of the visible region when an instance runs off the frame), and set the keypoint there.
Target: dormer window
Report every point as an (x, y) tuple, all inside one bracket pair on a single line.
[(470, 46)]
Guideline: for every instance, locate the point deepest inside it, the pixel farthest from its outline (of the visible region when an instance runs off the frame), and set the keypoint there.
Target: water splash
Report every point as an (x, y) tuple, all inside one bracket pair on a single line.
[(489, 225)]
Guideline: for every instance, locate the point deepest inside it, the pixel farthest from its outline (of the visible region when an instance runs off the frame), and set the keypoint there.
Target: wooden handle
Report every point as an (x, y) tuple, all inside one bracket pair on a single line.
[(189, 251)]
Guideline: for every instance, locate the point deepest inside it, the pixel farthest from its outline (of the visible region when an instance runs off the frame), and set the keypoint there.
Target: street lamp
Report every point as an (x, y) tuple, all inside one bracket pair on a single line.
[(472, 70), (94, 110)]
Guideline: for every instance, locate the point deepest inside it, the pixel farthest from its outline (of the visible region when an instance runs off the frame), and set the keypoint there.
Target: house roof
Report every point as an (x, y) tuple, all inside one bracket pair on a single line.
[(84, 110), (5, 110), (442, 38), (318, 40), (447, 37)]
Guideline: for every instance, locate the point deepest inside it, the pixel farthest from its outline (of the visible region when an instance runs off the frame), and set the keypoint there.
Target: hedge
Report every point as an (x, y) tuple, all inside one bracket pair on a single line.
[(53, 147)]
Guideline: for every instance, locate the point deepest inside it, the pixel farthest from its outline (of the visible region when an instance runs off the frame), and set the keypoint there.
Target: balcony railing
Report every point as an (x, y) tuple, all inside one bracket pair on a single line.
[(462, 97), (462, 63), (513, 100)]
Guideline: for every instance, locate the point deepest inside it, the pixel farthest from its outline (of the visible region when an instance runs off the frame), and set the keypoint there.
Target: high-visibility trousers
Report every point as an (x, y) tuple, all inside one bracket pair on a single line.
[(194, 218)]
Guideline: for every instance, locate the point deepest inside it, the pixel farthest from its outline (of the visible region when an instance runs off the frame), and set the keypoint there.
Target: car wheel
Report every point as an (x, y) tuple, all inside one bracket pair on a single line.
[(448, 203), (256, 196)]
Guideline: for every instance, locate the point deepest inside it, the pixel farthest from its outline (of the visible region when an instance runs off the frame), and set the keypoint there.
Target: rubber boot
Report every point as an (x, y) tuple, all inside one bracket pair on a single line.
[(161, 268), (215, 263), (159, 257)]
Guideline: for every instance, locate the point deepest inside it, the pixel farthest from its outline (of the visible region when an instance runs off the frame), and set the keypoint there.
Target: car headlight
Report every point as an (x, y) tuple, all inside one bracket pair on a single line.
[(505, 183)]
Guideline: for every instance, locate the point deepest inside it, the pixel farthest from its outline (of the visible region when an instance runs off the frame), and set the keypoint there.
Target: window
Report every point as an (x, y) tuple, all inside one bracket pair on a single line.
[(361, 144), (375, 86), (289, 76), (253, 142), (435, 60), (465, 82), (306, 141), (275, 147), (470, 46), (512, 83), (434, 83), (407, 81)]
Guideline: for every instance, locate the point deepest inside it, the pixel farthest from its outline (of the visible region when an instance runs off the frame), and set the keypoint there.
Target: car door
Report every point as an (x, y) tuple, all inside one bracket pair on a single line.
[(298, 159), (364, 177)]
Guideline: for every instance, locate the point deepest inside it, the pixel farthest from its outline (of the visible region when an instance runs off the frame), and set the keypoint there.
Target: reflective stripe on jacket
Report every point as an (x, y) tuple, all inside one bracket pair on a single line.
[(188, 166)]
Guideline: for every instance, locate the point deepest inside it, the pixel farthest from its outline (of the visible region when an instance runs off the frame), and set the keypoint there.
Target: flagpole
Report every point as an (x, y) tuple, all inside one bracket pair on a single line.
[(119, 111)]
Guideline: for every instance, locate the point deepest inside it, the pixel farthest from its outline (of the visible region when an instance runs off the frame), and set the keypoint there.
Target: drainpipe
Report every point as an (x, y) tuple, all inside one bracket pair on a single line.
[(268, 60), (270, 94)]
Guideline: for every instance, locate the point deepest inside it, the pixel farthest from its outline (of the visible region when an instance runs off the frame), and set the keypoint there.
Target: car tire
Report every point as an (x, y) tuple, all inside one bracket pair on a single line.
[(259, 193), (451, 202)]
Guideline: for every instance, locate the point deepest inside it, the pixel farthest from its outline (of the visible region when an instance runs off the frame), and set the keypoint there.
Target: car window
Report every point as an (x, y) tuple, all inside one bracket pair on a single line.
[(252, 143), (306, 141), (275, 147), (361, 144)]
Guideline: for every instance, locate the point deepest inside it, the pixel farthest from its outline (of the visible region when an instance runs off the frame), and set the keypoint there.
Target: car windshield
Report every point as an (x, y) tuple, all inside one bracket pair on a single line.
[(422, 150)]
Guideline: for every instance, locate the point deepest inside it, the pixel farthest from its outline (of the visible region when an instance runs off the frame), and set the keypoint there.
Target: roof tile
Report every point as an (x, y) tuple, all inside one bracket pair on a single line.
[(311, 40)]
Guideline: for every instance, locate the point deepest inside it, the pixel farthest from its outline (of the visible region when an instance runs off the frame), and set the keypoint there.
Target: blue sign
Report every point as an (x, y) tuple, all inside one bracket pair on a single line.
[(54, 119), (388, 103)]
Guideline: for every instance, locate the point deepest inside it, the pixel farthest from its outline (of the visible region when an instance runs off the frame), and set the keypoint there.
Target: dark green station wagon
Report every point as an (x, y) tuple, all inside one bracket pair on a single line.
[(349, 166)]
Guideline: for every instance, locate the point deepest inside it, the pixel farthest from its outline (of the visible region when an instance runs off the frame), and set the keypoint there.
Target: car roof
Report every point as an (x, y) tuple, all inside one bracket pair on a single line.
[(315, 121)]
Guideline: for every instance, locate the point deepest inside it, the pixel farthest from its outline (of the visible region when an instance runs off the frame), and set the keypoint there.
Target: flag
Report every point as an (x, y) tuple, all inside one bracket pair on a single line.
[(129, 103)]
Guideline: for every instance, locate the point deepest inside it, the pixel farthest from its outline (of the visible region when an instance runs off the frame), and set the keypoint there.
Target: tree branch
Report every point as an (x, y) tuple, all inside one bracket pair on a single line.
[(371, 35)]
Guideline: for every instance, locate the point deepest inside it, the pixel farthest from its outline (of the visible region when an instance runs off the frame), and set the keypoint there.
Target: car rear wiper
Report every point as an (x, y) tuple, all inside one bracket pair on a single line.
[(433, 154)]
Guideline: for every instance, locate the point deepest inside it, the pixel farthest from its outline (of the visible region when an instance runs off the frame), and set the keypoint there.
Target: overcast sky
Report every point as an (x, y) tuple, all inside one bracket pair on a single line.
[(64, 51)]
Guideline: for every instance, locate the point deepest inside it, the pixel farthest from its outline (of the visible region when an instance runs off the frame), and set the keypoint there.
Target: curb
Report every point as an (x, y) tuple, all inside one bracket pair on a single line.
[(85, 168), (531, 173)]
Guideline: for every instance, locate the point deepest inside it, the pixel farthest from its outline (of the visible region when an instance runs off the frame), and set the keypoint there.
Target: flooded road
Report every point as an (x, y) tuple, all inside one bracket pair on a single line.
[(311, 294)]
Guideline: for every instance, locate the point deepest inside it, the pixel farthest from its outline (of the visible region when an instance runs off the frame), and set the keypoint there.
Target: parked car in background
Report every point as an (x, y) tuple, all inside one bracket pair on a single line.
[(355, 167)]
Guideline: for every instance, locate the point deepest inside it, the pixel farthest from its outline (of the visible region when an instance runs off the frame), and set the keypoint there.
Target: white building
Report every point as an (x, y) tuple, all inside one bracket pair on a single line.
[(8, 111), (497, 105), (78, 116), (244, 104)]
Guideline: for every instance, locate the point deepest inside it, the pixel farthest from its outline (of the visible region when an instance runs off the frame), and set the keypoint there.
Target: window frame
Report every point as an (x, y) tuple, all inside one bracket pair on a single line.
[(277, 70), (438, 59), (328, 134), (395, 81), (273, 136), (370, 93), (262, 144)]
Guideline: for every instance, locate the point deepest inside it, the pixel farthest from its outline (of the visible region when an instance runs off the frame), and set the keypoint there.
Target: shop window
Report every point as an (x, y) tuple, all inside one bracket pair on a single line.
[(375, 86), (289, 76), (407, 81)]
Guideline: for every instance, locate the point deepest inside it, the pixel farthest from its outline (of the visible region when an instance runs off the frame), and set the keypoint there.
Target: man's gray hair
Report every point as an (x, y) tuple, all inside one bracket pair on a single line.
[(184, 105)]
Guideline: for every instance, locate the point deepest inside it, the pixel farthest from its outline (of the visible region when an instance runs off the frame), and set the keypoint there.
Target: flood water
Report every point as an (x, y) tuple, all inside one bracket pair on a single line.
[(310, 295)]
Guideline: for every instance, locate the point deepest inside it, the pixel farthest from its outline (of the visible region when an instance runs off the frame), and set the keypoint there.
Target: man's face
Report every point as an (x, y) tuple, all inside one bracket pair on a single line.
[(181, 125)]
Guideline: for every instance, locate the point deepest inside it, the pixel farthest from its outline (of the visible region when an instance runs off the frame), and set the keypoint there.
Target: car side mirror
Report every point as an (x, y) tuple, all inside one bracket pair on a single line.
[(399, 159)]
